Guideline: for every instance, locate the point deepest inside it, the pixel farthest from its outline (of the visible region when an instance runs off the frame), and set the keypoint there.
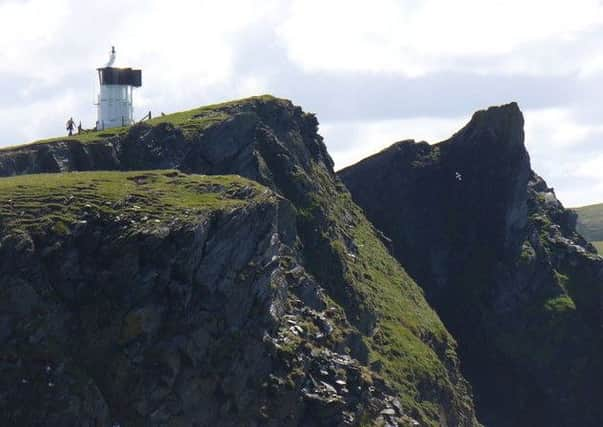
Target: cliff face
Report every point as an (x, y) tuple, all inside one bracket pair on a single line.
[(287, 310), (499, 258), (155, 298)]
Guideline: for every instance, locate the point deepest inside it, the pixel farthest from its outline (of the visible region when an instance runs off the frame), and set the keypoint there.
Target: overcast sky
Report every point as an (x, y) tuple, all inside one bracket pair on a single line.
[(374, 72)]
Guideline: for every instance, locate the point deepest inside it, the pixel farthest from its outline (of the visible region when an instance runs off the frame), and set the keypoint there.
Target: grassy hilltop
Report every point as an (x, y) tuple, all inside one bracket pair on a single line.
[(590, 224)]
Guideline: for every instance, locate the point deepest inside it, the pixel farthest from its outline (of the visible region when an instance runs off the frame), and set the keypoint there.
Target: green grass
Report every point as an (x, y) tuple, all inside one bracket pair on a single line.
[(406, 325), (190, 122), (599, 246), (406, 330), (408, 339), (199, 119), (590, 222), (141, 198), (559, 304)]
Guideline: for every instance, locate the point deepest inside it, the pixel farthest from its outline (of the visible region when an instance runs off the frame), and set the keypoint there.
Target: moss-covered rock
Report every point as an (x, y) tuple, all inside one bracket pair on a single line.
[(165, 298), (353, 306)]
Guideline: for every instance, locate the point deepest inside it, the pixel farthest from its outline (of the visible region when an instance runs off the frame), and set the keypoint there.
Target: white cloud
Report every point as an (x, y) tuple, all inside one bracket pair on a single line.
[(349, 142), (324, 53), (565, 152), (185, 48), (417, 37), (28, 122), (26, 29), (592, 168), (559, 145), (556, 128)]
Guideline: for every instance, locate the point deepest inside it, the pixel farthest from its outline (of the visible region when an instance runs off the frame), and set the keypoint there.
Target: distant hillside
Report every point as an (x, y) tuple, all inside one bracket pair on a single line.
[(590, 224)]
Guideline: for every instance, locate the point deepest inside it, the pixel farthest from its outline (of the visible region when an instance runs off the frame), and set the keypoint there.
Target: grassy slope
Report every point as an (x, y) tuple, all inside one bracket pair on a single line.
[(153, 198), (191, 122), (141, 197), (407, 328), (590, 222)]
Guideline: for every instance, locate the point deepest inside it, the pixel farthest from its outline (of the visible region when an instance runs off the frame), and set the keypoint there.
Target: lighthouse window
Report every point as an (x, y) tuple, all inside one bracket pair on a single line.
[(120, 76)]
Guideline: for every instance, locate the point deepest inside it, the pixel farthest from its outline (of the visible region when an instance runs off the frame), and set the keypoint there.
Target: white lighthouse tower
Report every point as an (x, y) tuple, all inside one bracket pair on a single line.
[(115, 99)]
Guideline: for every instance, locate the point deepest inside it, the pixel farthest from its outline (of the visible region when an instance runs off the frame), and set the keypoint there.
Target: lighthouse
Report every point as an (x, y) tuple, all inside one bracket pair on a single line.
[(117, 85)]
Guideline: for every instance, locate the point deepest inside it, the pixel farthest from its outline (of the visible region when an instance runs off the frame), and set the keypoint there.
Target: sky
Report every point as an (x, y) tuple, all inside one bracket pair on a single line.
[(375, 72)]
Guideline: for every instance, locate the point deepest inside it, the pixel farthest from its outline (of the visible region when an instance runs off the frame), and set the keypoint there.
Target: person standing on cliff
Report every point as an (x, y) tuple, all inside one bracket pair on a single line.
[(70, 126)]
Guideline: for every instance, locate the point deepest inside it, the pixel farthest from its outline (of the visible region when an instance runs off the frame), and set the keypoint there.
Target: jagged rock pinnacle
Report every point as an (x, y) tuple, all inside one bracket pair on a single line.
[(499, 258)]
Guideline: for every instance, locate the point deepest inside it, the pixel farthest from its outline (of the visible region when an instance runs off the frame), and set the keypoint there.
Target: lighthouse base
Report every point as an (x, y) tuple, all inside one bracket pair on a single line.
[(115, 107)]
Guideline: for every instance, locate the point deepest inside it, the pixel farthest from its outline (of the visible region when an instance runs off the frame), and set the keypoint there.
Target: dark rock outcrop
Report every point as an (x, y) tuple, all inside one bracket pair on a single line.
[(131, 317), (500, 260), (358, 318)]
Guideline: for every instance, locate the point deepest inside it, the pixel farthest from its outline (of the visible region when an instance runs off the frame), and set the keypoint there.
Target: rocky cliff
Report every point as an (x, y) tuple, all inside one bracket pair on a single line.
[(499, 258), (158, 298)]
